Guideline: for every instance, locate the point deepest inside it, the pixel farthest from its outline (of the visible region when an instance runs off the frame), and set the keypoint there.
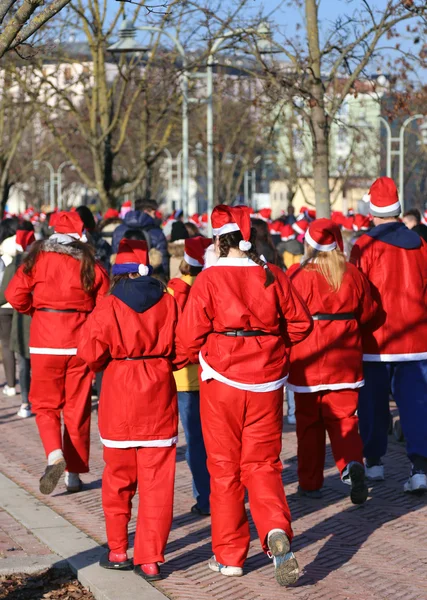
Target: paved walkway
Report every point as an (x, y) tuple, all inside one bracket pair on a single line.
[(377, 551), (16, 541)]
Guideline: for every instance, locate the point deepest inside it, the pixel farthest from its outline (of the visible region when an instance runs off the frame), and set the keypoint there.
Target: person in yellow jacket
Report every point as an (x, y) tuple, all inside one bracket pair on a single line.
[(187, 380)]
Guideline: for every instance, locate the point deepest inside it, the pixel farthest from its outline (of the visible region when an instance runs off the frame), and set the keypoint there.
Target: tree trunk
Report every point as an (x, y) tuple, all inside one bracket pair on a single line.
[(319, 118)]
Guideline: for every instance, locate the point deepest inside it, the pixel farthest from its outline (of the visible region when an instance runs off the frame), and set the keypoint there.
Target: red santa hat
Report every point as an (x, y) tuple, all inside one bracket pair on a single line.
[(24, 239), (347, 223), (361, 223), (194, 250), (132, 257), (227, 219), (111, 213), (384, 198), (301, 226), (287, 233), (264, 214), (322, 235), (195, 219), (68, 223)]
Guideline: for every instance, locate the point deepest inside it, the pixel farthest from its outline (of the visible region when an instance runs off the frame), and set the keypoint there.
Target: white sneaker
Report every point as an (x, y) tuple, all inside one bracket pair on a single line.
[(417, 482), (24, 412), (375, 473), (214, 565), (9, 391), (73, 482)]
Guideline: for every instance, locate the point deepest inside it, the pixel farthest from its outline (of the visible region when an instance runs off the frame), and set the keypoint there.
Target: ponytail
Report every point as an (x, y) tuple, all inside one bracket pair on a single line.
[(231, 240), (332, 265)]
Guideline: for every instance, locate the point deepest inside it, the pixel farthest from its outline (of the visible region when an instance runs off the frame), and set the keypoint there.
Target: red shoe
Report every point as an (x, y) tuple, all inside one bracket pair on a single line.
[(119, 562), (149, 571)]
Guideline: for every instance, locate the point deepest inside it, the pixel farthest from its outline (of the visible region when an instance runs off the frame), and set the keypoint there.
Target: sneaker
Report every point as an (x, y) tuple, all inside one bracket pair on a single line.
[(9, 391), (417, 483), (148, 571), (286, 568), (50, 478), (359, 489), (291, 420), (24, 412), (73, 482), (374, 472), (117, 562), (313, 494), (215, 566)]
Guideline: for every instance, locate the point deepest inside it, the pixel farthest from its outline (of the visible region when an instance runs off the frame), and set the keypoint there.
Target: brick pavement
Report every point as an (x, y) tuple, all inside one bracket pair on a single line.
[(377, 551), (16, 541)]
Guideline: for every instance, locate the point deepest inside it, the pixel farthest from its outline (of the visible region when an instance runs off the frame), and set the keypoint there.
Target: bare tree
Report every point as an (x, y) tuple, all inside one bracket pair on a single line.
[(319, 72)]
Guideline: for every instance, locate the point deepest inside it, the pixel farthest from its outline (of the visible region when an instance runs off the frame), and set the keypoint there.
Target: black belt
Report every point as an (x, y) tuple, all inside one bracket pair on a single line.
[(140, 358), (334, 317), (58, 310), (243, 333)]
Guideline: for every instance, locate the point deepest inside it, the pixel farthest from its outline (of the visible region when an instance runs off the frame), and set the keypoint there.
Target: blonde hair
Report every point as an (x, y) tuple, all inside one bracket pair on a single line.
[(332, 265)]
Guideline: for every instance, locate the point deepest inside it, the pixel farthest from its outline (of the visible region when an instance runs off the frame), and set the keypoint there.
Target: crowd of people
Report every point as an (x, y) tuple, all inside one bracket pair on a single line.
[(174, 324)]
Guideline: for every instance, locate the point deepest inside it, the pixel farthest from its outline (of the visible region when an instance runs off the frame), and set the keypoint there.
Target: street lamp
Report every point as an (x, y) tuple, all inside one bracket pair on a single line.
[(127, 43), (36, 165)]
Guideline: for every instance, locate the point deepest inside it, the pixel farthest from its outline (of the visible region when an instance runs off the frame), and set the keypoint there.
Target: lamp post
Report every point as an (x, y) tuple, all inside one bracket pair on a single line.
[(61, 167), (400, 152), (36, 164), (127, 43)]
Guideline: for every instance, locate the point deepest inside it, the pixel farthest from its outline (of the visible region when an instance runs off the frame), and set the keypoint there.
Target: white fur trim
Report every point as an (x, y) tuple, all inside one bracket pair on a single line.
[(68, 238), (319, 247), (385, 209), (244, 246), (227, 228), (211, 257), (192, 261), (395, 357), (297, 228), (209, 373), (19, 248), (143, 270), (304, 389), (366, 198), (140, 443), (54, 351), (226, 261)]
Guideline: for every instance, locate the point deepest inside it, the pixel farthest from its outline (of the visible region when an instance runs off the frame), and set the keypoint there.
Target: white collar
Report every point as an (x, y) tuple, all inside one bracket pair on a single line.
[(235, 262)]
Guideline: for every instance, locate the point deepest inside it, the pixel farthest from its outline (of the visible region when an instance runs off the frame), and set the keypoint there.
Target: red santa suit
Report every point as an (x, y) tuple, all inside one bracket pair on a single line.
[(241, 331), (52, 293), (131, 334), (326, 368)]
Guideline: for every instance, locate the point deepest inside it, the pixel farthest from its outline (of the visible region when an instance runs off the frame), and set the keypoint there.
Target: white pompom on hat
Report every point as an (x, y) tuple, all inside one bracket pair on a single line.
[(227, 219)]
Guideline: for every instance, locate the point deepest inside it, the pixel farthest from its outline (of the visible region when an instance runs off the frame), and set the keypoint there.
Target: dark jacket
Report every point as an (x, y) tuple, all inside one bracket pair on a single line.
[(421, 229), (153, 234), (20, 333)]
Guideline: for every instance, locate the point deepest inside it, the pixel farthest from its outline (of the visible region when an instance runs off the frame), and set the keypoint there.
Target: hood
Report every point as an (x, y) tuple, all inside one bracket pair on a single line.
[(51, 245), (396, 234), (136, 219), (139, 294), (177, 249)]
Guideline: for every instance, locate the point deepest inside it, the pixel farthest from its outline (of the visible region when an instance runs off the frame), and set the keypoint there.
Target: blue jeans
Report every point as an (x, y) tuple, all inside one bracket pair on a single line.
[(189, 412), (407, 381)]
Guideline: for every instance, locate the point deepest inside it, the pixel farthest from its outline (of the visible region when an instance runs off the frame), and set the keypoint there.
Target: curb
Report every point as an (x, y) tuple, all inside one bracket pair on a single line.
[(31, 564), (79, 550)]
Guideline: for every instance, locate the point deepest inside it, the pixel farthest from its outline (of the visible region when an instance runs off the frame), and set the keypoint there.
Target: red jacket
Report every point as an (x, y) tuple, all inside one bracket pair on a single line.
[(229, 296), (331, 357), (181, 289), (138, 404), (398, 278), (54, 282)]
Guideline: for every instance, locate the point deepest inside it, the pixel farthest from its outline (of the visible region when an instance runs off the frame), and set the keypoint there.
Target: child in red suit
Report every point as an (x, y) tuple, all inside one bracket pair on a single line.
[(131, 335), (59, 284), (326, 368)]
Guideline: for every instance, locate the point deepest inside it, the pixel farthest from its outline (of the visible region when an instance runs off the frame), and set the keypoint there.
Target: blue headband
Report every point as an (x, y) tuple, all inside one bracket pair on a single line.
[(129, 268)]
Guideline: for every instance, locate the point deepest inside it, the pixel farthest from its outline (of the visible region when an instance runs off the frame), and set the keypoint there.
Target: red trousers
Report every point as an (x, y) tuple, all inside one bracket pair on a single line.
[(152, 471), (243, 437), (320, 412), (62, 384)]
